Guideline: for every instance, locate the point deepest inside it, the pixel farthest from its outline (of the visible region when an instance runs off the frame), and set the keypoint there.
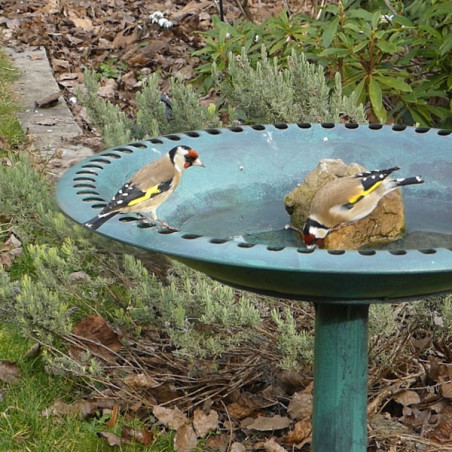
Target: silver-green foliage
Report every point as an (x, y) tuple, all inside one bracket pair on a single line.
[(67, 273), (266, 93), (296, 346), (190, 299), (114, 123), (297, 93), (151, 112), (187, 113), (152, 119), (382, 320)]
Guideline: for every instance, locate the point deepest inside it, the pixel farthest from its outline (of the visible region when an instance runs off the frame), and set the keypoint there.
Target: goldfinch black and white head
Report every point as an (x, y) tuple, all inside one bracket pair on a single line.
[(348, 199), (149, 187)]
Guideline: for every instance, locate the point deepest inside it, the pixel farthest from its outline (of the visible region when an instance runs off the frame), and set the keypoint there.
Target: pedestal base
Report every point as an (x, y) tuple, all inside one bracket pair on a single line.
[(340, 378)]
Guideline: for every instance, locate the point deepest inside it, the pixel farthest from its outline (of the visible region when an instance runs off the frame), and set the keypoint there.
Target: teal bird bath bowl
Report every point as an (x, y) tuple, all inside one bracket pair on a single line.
[(231, 220)]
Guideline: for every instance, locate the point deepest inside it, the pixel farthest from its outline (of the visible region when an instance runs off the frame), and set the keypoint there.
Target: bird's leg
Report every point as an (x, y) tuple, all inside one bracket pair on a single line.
[(154, 221), (143, 219), (166, 225)]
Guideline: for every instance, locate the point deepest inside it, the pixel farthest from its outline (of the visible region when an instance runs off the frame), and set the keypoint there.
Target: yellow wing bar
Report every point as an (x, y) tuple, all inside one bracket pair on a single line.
[(364, 193), (148, 194)]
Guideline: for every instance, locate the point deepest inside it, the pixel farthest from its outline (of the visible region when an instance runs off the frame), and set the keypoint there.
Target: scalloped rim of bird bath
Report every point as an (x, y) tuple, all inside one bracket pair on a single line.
[(89, 185)]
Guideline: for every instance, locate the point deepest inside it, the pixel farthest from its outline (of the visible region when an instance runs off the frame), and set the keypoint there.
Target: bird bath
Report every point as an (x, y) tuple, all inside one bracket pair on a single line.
[(231, 220)]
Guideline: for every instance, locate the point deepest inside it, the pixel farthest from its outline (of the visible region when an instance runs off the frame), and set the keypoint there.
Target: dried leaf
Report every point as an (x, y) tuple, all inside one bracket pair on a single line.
[(114, 416), (81, 22), (185, 439), (112, 439), (126, 37), (301, 432), (142, 381), (173, 418), (237, 447), (9, 372), (97, 331), (238, 411), (13, 241), (5, 260), (61, 65), (270, 446), (407, 398), (4, 144), (414, 417), (11, 248), (443, 433), (204, 423), (142, 436), (300, 406), (445, 379), (82, 408), (109, 90), (264, 424), (220, 443)]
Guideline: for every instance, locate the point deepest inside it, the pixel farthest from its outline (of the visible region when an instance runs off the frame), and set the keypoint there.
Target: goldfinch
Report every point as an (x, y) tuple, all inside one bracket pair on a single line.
[(149, 187), (348, 199)]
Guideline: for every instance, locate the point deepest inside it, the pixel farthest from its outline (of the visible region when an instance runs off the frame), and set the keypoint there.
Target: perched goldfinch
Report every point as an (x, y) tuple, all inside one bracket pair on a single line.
[(149, 187), (348, 199)]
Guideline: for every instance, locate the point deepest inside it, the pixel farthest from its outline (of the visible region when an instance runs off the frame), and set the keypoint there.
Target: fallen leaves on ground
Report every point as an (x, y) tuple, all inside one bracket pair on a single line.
[(266, 424), (142, 436), (95, 335), (10, 248), (169, 417), (204, 423), (185, 439), (9, 372), (112, 439)]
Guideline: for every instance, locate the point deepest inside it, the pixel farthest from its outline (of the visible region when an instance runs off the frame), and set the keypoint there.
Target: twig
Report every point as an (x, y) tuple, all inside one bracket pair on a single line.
[(231, 431), (390, 7)]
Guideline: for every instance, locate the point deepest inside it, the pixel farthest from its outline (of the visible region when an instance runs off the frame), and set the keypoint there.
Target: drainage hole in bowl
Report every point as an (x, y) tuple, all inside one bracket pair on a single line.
[(397, 252)]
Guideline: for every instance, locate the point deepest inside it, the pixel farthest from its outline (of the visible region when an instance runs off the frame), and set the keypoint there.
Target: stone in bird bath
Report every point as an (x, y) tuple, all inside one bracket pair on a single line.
[(385, 224)]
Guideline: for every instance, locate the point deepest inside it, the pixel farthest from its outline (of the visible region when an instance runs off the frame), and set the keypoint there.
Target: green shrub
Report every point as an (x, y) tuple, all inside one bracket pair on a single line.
[(399, 64), (152, 119), (265, 93), (297, 93)]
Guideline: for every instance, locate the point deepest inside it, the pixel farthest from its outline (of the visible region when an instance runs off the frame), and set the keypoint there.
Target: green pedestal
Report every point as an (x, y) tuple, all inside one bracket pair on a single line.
[(340, 378)]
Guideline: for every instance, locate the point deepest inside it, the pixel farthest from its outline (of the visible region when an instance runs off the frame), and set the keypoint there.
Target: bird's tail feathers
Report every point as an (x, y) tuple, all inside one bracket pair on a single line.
[(409, 181), (99, 220), (384, 172)]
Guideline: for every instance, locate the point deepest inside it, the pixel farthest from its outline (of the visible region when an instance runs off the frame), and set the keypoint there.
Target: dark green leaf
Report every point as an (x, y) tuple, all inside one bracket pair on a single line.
[(360, 46), (361, 14), (376, 100), (396, 83), (386, 46), (402, 20), (360, 91), (334, 51), (329, 32), (446, 46), (376, 17)]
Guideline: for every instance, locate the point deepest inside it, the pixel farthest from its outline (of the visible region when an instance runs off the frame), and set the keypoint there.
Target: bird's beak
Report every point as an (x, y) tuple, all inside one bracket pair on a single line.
[(198, 162)]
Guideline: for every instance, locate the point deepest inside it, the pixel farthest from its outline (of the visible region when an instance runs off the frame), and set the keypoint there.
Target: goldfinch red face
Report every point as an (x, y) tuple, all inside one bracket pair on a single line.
[(192, 159), (313, 233), (183, 157)]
